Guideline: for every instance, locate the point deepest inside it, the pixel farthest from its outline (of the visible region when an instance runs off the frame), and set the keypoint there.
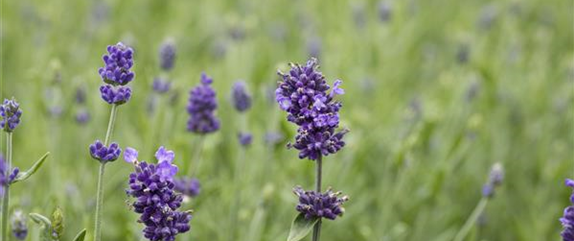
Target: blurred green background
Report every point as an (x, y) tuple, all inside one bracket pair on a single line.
[(436, 92)]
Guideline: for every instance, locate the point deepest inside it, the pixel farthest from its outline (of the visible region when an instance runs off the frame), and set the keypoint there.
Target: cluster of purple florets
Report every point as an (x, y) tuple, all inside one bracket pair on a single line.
[(10, 113), (240, 96), (494, 180), (152, 186), (303, 94), (201, 107), (320, 205), (116, 74), (188, 186), (167, 55), (5, 177), (161, 85), (568, 218), (103, 153)]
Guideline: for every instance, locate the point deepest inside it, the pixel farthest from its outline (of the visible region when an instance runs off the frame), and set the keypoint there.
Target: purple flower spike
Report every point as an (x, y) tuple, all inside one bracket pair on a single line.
[(130, 155), (494, 180), (82, 116), (118, 63), (320, 205), (10, 113), (568, 218), (166, 170), (157, 202), (245, 139), (241, 99), (161, 85), (188, 186), (201, 107), (115, 95), (167, 53), (302, 93), (6, 177), (103, 153)]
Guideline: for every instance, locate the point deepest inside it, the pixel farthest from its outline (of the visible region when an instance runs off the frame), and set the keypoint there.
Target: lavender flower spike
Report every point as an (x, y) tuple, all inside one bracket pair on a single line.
[(118, 64), (245, 139), (320, 205), (115, 95), (303, 95), (19, 227), (10, 113), (241, 99), (188, 186), (161, 85), (167, 53), (568, 218), (156, 200), (201, 107), (105, 154)]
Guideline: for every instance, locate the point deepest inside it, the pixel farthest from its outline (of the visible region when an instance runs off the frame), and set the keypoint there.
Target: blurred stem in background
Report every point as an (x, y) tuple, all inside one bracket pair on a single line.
[(238, 182), (317, 228), (471, 220), (6, 199), (196, 157), (100, 194)]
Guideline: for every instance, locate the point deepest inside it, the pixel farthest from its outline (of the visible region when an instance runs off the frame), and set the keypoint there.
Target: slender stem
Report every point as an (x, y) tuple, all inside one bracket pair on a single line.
[(317, 228), (6, 199), (196, 158), (471, 220), (100, 191)]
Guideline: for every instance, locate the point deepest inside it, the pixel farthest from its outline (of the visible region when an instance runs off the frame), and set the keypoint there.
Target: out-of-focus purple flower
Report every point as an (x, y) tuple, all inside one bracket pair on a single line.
[(161, 85), (201, 107), (359, 15), (82, 116), (116, 95), (314, 46), (240, 96), (118, 64), (130, 155), (167, 53), (385, 11), (188, 186), (245, 139), (494, 180), (320, 205), (303, 95), (157, 202), (19, 226), (55, 111), (105, 154), (568, 218), (462, 54), (80, 95), (487, 16), (273, 137), (10, 113)]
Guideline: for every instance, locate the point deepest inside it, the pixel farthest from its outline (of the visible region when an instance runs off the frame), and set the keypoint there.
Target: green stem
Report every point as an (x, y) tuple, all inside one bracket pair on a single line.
[(471, 220), (317, 228), (100, 191), (196, 158), (6, 199)]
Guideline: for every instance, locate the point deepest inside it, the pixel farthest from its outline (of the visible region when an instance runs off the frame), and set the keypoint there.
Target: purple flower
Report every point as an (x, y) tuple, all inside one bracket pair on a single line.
[(314, 47), (157, 202), (161, 85), (19, 227), (5, 178), (302, 93), (494, 180), (568, 218), (167, 55), (80, 95), (385, 11), (130, 155), (103, 153), (10, 113), (164, 155), (82, 116), (320, 205), (241, 99), (118, 63), (201, 107), (115, 95), (273, 137), (245, 139), (188, 186)]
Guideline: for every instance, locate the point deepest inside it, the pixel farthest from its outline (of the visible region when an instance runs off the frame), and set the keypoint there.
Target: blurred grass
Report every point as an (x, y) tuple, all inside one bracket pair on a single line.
[(425, 128)]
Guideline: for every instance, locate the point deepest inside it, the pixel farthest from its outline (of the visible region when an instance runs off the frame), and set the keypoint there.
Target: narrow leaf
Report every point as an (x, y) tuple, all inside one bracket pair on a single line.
[(46, 226), (301, 227), (80, 236), (27, 174)]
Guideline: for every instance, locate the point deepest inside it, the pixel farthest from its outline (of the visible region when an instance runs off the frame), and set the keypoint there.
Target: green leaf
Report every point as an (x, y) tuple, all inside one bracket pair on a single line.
[(27, 174), (81, 235), (46, 226), (301, 227)]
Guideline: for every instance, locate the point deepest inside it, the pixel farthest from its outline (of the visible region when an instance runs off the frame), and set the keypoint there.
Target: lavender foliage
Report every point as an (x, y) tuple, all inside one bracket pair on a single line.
[(201, 107), (188, 186), (152, 186), (11, 113), (320, 205), (302, 93), (103, 153), (240, 96)]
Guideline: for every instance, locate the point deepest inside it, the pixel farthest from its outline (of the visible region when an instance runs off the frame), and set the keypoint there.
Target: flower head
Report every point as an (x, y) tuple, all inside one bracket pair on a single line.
[(156, 201), (302, 93), (568, 218), (161, 85), (118, 63), (320, 205), (245, 139), (103, 153), (167, 55), (188, 186), (115, 95), (201, 107), (82, 116), (6, 176), (241, 99), (494, 180), (19, 226), (10, 113)]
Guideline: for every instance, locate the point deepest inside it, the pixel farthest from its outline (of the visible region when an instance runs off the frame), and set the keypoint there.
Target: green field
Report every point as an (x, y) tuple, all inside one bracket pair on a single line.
[(435, 95)]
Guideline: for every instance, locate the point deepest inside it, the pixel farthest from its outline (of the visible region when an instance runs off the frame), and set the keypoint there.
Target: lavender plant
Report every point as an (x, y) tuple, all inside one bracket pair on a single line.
[(152, 187), (567, 219), (11, 114), (115, 74), (302, 93), (52, 229)]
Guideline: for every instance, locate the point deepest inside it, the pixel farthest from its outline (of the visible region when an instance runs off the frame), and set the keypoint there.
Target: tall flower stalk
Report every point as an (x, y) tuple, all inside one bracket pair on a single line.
[(115, 74), (302, 93)]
